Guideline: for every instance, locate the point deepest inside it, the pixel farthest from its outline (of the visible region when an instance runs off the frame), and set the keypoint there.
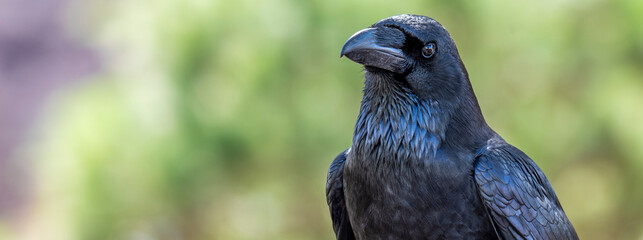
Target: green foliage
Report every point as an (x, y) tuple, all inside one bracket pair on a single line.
[(218, 119)]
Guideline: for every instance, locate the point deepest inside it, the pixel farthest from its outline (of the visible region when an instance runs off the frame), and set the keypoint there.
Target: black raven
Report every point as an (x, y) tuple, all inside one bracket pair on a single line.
[(423, 163)]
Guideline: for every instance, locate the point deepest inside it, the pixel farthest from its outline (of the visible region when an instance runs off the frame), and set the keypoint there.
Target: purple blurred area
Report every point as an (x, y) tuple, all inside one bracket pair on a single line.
[(37, 58)]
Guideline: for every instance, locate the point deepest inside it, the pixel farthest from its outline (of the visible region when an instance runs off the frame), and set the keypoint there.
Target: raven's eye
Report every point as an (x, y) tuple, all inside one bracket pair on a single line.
[(428, 50)]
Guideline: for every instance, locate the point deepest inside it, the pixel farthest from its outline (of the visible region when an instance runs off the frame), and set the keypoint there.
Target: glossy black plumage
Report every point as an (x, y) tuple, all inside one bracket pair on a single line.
[(335, 199), (423, 163), (518, 196)]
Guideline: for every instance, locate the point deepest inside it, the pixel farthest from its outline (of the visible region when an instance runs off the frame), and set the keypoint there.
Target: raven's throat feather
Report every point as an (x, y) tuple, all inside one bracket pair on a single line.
[(394, 123)]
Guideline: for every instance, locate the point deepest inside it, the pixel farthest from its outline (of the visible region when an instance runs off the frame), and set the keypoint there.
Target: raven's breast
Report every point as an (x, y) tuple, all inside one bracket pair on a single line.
[(428, 199)]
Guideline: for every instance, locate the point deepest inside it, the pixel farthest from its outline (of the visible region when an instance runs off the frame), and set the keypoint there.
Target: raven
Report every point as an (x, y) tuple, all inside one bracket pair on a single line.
[(423, 163)]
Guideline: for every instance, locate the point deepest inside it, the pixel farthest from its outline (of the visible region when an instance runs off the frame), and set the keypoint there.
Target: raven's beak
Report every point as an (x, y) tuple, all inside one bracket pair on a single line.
[(363, 48)]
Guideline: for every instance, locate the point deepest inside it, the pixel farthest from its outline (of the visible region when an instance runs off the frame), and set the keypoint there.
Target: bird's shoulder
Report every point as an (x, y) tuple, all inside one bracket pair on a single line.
[(335, 198), (518, 197)]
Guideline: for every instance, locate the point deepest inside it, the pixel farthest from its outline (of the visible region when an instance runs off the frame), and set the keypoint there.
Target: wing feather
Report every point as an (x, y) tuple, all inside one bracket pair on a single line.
[(335, 199), (517, 195)]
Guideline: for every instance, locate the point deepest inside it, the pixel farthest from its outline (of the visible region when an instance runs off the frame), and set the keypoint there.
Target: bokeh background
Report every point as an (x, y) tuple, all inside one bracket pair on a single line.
[(212, 119)]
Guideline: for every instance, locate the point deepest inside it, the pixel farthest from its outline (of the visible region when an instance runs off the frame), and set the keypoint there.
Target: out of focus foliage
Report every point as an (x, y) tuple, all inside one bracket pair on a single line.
[(218, 119)]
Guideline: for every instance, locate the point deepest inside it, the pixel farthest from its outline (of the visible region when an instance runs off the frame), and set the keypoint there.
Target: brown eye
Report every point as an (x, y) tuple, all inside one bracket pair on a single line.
[(428, 50)]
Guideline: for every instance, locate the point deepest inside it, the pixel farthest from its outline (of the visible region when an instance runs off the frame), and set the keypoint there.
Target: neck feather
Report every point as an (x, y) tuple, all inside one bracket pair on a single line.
[(394, 123)]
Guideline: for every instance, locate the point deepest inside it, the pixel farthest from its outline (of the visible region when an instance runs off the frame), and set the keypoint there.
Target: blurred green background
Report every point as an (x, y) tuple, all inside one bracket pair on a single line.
[(199, 119)]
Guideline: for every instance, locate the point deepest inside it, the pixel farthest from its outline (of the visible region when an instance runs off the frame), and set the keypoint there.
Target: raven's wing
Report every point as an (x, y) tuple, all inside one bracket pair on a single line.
[(335, 198), (517, 195)]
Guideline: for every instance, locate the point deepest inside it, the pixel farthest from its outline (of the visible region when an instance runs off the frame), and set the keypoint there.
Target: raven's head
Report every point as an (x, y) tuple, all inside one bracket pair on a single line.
[(417, 50), (414, 71)]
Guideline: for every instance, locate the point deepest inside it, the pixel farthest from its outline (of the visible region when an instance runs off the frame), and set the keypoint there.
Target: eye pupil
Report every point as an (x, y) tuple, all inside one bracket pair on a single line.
[(428, 50)]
